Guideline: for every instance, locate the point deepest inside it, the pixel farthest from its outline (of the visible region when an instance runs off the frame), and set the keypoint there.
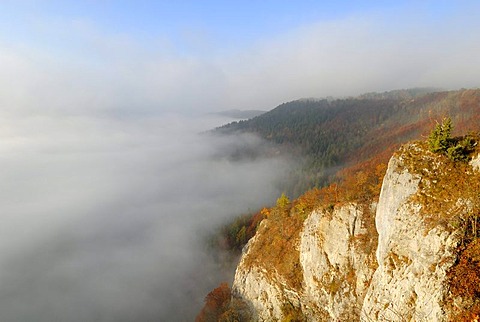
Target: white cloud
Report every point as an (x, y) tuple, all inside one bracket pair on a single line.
[(100, 72), (352, 56)]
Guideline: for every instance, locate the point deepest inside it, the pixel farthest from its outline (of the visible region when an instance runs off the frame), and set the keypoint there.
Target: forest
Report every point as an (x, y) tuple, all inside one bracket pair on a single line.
[(330, 135)]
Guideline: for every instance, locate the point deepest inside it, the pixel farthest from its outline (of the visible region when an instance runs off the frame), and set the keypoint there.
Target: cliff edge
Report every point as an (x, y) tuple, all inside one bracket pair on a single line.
[(329, 264)]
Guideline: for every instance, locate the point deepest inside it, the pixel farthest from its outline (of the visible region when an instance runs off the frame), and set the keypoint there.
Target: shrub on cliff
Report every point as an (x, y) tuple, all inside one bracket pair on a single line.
[(440, 140)]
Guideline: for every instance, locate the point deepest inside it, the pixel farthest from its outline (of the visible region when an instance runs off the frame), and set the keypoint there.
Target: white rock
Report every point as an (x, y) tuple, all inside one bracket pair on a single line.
[(341, 281), (333, 267), (410, 282), (475, 162)]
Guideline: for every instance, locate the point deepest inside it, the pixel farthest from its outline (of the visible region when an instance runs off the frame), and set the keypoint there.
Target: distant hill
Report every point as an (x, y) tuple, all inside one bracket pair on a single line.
[(241, 114), (337, 133)]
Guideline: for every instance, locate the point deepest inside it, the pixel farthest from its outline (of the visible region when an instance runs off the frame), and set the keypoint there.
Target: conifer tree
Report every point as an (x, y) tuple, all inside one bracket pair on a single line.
[(440, 138)]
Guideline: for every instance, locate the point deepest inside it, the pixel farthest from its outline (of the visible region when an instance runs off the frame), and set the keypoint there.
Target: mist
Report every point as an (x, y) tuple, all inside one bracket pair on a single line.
[(105, 218), (109, 184)]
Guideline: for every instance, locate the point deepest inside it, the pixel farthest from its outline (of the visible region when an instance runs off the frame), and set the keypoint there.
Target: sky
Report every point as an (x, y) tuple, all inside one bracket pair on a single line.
[(144, 56), (109, 184)]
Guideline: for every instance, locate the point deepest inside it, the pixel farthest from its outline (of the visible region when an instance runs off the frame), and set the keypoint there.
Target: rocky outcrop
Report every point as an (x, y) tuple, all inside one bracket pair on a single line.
[(266, 294), (334, 264), (410, 282), (345, 275)]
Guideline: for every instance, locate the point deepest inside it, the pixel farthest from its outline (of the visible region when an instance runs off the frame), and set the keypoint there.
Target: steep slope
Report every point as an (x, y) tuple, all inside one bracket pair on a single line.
[(413, 257), (316, 266), (427, 209)]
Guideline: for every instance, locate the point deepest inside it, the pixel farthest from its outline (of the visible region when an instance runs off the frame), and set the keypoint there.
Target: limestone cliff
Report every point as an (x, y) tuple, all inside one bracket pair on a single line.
[(327, 266), (413, 258), (334, 267)]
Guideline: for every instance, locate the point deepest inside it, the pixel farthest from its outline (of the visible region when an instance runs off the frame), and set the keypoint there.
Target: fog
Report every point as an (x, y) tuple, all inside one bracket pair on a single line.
[(107, 189), (105, 218)]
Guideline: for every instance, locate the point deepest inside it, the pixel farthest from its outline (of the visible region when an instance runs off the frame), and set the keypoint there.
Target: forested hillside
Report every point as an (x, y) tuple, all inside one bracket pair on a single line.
[(333, 134), (347, 141)]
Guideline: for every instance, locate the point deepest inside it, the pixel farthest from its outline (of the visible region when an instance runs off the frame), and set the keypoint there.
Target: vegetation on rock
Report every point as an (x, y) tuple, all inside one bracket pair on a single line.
[(441, 141), (448, 192), (221, 307), (449, 189), (441, 136), (464, 279)]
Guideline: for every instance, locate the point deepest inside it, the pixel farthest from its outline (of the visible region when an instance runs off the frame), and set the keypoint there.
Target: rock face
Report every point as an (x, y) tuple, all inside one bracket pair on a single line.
[(409, 284), (335, 264), (344, 276), (266, 294), (335, 267)]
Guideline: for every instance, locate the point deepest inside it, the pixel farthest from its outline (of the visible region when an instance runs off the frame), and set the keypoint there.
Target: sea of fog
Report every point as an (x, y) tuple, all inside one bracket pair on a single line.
[(104, 218)]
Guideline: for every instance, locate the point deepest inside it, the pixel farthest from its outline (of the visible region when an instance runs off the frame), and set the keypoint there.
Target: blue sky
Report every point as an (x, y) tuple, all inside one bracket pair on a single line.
[(228, 24), (198, 55)]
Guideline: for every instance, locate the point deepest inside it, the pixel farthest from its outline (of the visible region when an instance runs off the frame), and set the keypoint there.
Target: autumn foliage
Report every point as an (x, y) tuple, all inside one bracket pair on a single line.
[(216, 303), (331, 135), (465, 275), (464, 280), (221, 306), (349, 143)]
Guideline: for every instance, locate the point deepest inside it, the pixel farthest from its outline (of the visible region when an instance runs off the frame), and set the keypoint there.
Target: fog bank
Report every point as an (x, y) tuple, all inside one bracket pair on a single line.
[(103, 218)]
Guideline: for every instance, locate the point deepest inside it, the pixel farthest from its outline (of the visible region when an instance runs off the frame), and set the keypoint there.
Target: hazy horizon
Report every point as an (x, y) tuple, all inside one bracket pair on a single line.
[(148, 58)]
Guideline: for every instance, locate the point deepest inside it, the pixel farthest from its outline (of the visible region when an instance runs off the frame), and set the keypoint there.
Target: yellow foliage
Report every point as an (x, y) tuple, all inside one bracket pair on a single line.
[(283, 201), (265, 212)]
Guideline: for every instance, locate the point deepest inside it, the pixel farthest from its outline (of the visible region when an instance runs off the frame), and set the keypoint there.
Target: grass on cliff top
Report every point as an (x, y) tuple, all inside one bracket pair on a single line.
[(449, 191)]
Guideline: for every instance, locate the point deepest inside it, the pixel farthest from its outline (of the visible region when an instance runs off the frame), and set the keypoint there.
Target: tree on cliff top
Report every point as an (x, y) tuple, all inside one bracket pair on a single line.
[(457, 149), (441, 136)]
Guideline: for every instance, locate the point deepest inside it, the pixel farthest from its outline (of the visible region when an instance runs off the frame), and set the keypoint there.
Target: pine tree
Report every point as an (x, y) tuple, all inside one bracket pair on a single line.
[(441, 136)]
